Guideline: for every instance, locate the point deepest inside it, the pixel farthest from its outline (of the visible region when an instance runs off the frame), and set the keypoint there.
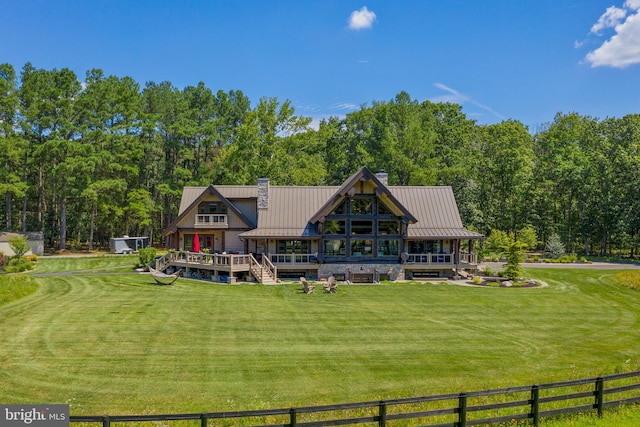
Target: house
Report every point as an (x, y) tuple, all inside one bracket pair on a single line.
[(363, 231)]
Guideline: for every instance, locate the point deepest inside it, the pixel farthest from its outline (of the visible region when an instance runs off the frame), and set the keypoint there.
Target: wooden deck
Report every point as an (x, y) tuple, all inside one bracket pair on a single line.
[(264, 272)]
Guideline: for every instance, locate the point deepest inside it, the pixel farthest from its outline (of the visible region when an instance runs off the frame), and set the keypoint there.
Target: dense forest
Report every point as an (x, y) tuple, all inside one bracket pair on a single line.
[(89, 159)]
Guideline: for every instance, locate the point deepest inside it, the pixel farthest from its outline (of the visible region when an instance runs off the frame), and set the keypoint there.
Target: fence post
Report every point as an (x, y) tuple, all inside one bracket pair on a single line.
[(535, 405), (462, 410), (599, 395), (292, 417), (203, 419), (382, 415), (105, 421)]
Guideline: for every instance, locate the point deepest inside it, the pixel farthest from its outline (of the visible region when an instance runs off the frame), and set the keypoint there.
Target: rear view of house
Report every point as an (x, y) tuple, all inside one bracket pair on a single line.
[(362, 231)]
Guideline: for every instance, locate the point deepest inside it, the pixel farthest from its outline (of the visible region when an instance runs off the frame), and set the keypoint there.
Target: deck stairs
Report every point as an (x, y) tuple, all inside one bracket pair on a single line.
[(264, 272)]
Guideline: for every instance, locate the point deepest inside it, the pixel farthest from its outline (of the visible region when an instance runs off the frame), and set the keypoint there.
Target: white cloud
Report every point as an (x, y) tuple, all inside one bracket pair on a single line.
[(344, 106), (456, 97), (609, 19), (622, 48), (360, 19)]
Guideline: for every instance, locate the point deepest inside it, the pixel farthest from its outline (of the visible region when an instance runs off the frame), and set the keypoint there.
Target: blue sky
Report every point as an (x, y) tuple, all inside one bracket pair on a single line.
[(511, 59)]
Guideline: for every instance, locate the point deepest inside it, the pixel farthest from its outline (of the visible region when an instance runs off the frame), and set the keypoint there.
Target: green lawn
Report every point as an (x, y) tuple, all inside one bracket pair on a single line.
[(117, 343), (104, 263)]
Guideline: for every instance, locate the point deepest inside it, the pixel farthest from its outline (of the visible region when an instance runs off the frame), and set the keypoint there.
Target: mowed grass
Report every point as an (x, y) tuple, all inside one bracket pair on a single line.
[(118, 344), (65, 264)]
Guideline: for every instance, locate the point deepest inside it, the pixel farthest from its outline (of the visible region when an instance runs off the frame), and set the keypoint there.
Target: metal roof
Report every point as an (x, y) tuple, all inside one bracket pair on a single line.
[(442, 233), (433, 207), (291, 209)]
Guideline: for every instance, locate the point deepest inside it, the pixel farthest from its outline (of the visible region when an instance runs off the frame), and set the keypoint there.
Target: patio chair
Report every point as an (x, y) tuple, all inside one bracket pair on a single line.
[(331, 286), (306, 287)]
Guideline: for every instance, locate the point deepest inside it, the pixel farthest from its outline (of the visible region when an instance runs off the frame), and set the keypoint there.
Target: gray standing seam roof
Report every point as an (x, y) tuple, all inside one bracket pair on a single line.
[(291, 207)]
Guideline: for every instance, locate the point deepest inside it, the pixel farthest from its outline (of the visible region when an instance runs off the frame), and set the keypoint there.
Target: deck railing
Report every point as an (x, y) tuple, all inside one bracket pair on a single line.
[(294, 258), (441, 259), (431, 259), (211, 220), (471, 258), (233, 261), (504, 405)]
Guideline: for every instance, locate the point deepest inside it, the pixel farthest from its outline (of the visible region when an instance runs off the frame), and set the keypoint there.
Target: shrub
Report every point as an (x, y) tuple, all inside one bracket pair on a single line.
[(146, 256), (630, 279), (568, 258), (18, 265), (19, 245), (491, 273), (477, 280)]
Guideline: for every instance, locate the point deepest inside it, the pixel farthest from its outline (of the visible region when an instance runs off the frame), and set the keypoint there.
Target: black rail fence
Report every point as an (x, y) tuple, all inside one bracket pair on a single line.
[(526, 403)]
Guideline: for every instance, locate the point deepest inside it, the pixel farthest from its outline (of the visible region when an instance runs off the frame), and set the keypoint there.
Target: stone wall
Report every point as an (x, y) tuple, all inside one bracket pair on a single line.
[(393, 271)]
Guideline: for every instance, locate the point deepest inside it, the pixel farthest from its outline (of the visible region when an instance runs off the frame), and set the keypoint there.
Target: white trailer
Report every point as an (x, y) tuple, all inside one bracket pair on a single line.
[(128, 245)]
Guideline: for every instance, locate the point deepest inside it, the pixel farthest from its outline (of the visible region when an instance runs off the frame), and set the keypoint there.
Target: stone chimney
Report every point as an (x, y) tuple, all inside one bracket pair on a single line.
[(383, 177), (263, 193)]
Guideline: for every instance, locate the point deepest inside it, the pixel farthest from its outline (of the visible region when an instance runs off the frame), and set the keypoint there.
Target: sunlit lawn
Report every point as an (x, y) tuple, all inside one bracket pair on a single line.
[(64, 264), (117, 343)]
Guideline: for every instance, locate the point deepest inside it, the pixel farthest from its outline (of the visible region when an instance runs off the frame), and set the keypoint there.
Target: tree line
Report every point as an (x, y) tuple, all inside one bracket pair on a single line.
[(86, 160)]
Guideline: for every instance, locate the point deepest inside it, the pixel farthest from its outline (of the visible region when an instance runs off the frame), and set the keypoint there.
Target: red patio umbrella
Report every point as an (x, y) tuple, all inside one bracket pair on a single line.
[(196, 243)]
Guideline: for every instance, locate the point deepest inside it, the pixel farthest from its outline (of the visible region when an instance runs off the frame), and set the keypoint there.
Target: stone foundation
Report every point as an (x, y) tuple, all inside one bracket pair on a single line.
[(392, 271)]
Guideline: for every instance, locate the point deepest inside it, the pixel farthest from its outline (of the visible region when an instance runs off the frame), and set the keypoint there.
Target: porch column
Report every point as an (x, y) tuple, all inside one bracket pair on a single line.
[(457, 256)]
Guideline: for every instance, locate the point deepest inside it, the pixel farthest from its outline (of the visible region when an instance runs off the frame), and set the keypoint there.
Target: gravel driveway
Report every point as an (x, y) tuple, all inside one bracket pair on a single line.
[(596, 265)]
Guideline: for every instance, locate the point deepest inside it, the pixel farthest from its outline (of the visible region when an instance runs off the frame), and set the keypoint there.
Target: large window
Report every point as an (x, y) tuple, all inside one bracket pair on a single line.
[(335, 227), (335, 247), (293, 247), (383, 209), (361, 247), (388, 247), (362, 226), (425, 247), (362, 206), (341, 209), (386, 227)]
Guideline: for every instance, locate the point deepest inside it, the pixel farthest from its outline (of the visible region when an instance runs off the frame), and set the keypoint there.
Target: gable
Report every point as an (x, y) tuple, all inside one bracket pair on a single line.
[(363, 182), (193, 196)]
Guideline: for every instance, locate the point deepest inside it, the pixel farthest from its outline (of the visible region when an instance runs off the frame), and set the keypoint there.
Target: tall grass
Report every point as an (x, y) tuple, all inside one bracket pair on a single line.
[(630, 279), (14, 287)]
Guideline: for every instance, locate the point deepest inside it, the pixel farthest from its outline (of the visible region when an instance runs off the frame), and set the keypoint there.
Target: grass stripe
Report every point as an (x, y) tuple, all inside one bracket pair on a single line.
[(119, 344)]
